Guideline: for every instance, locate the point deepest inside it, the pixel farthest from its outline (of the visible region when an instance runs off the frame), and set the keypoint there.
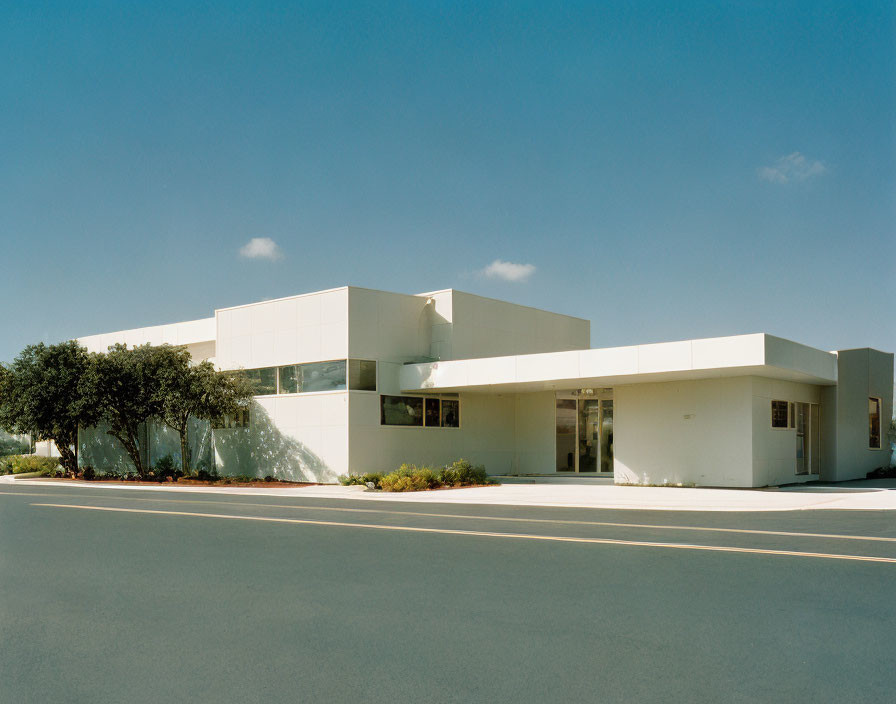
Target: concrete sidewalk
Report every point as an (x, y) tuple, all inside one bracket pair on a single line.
[(584, 495)]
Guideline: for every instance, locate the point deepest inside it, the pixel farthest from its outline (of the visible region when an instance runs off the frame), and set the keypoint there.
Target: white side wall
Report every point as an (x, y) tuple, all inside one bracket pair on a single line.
[(696, 432), (308, 328), (302, 437), (774, 449), (198, 335), (536, 430), (485, 327), (389, 326), (862, 373), (297, 437), (486, 436)]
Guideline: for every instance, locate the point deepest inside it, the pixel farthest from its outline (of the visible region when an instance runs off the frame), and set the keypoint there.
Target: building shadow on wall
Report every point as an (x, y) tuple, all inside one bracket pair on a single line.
[(263, 450)]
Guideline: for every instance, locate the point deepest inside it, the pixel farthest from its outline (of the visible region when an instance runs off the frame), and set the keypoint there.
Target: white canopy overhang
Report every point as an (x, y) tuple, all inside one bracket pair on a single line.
[(742, 355)]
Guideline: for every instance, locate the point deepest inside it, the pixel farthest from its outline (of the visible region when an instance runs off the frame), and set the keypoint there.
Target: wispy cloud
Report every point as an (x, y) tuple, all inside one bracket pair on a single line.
[(261, 248), (792, 168), (508, 271)]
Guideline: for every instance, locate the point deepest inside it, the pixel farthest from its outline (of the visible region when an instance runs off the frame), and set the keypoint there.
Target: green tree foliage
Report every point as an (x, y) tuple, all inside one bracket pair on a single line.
[(123, 384), (186, 391), (43, 393)]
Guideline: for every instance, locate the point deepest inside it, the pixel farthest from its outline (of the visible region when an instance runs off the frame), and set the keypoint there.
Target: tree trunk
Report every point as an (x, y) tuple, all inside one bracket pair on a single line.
[(130, 446), (67, 457), (185, 459)]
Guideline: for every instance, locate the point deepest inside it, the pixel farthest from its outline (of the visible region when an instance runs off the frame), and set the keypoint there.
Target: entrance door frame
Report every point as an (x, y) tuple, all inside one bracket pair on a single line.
[(577, 396)]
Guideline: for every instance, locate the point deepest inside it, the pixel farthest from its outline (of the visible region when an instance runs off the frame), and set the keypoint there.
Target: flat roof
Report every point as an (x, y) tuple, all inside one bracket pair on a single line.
[(741, 355)]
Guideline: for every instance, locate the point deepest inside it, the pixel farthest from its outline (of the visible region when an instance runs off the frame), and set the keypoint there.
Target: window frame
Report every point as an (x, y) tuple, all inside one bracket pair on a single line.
[(427, 397), (787, 420), (383, 423), (442, 400), (880, 423)]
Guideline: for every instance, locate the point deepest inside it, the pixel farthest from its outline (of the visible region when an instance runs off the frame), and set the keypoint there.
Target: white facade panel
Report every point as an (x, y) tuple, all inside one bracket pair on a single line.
[(690, 432)]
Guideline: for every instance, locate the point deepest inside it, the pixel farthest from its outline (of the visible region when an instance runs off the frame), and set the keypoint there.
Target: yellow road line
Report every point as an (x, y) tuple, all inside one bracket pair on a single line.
[(486, 534), (512, 519)]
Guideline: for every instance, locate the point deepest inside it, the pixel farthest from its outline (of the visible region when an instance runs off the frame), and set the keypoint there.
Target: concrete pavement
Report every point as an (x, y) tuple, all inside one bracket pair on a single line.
[(587, 494)]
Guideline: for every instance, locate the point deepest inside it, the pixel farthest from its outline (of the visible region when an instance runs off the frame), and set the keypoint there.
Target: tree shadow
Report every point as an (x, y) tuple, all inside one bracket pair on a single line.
[(263, 450), (102, 452)]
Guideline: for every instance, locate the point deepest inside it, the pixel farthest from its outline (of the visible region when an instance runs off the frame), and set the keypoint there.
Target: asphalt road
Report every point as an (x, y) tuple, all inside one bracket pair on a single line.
[(203, 598)]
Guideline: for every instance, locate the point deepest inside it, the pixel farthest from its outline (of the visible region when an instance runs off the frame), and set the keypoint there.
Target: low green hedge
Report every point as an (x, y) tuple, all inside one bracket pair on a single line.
[(23, 464), (409, 477)]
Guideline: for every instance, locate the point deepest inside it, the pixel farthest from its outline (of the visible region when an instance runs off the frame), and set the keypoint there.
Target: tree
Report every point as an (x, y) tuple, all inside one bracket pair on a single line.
[(43, 394), (188, 391), (123, 384)]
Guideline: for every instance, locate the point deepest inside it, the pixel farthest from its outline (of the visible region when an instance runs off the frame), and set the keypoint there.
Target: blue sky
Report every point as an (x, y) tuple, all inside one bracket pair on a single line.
[(667, 170)]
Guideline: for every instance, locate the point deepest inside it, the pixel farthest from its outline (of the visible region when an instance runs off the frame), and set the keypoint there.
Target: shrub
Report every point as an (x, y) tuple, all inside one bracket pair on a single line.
[(88, 473), (410, 478), (362, 479), (22, 464), (463, 473), (166, 468)]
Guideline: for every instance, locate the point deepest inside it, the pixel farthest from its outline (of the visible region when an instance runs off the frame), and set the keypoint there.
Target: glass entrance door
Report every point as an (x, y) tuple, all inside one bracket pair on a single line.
[(808, 437), (589, 434), (584, 434)]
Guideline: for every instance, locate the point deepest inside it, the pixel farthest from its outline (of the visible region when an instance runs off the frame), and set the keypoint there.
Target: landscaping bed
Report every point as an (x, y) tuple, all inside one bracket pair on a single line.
[(190, 481), (409, 477)]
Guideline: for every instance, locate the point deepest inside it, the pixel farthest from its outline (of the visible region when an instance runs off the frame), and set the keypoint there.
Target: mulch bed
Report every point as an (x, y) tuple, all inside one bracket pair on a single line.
[(193, 482)]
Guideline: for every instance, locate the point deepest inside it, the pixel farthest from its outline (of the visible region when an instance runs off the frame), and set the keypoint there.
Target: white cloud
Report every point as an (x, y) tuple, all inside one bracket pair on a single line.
[(508, 271), (261, 248), (792, 168)]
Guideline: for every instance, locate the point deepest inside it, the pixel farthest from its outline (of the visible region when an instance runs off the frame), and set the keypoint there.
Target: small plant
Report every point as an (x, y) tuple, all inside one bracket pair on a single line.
[(24, 464), (88, 473), (409, 477), (362, 479), (463, 473)]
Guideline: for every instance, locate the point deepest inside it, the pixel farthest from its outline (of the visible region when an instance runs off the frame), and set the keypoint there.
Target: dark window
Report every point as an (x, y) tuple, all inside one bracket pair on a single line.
[(432, 413), (264, 381), (401, 410), (361, 375), (874, 423), (450, 413), (779, 414)]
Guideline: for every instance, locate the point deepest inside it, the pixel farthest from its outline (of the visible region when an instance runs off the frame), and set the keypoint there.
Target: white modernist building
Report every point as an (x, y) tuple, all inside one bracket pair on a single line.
[(356, 380)]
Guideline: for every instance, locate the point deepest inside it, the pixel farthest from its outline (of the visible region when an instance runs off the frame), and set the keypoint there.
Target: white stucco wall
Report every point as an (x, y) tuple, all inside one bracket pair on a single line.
[(198, 334), (862, 373), (388, 326), (535, 430), (486, 436), (307, 328), (299, 437), (774, 449), (689, 432), (470, 326)]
